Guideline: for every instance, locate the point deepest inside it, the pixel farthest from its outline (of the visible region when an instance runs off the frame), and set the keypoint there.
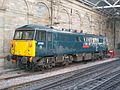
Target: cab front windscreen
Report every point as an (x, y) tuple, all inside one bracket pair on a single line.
[(24, 35)]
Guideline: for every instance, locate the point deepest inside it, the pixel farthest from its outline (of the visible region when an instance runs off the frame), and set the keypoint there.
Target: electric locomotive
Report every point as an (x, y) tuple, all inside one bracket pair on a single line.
[(38, 46)]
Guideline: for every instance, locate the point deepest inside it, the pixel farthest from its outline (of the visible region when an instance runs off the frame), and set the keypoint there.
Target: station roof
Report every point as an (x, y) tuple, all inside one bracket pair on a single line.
[(109, 7)]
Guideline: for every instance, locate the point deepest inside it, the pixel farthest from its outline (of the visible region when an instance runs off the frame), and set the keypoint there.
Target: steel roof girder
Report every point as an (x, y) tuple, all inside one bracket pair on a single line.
[(103, 7), (89, 2), (116, 2), (107, 2), (98, 2)]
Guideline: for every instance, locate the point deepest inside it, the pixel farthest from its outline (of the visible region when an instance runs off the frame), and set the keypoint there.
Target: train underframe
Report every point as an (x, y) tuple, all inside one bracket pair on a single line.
[(40, 63)]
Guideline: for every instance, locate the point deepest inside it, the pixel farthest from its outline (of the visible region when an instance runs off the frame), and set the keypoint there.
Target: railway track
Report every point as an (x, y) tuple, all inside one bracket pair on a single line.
[(73, 79), (16, 73), (7, 71), (97, 82), (61, 85), (13, 73), (109, 83), (115, 86)]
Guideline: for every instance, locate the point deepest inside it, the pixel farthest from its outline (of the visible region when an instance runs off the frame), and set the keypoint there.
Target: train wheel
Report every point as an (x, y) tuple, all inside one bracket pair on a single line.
[(34, 67), (37, 68), (70, 59), (21, 63), (53, 62), (29, 66), (47, 63), (66, 61)]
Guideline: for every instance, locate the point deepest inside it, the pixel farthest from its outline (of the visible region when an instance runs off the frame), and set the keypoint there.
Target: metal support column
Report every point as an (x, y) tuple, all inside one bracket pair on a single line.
[(114, 33)]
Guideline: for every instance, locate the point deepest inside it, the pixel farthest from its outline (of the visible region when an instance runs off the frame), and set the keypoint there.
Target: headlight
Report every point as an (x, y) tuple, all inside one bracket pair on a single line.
[(12, 50)]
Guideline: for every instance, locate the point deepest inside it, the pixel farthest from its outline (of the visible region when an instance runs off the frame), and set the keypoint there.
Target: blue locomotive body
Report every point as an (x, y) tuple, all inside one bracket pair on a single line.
[(41, 46), (61, 43)]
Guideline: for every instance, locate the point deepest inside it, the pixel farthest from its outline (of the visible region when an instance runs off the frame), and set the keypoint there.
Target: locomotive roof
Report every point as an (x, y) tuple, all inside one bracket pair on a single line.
[(49, 29), (32, 27)]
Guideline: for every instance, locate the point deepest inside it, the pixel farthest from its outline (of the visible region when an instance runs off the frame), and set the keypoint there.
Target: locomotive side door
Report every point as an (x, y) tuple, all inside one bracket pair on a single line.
[(41, 49), (49, 43)]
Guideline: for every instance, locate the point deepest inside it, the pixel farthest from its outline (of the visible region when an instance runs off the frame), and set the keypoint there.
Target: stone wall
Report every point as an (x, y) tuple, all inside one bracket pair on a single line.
[(67, 14), (117, 34)]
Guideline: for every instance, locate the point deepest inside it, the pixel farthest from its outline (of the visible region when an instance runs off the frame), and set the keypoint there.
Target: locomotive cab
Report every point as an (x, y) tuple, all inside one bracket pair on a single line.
[(23, 43), (28, 42)]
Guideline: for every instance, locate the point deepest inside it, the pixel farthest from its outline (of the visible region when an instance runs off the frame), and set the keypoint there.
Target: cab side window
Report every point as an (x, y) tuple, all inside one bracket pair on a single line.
[(49, 36), (100, 40), (41, 35), (38, 35)]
